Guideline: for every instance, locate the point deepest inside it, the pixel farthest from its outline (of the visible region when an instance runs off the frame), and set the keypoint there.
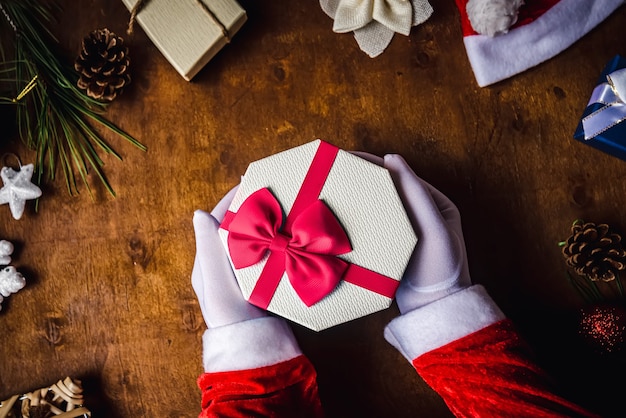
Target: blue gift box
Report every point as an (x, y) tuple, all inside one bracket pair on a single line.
[(613, 139)]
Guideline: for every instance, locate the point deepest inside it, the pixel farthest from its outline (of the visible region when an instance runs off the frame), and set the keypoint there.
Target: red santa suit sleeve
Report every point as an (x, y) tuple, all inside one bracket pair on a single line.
[(467, 351), (461, 345), (255, 368)]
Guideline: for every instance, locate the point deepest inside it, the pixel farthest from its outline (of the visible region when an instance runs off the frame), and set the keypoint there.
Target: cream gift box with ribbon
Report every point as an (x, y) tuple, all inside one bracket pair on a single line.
[(189, 32), (318, 235), (603, 123)]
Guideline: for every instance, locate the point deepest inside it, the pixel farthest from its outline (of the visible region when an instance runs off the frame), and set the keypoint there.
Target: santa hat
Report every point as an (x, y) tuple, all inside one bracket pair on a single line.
[(543, 29)]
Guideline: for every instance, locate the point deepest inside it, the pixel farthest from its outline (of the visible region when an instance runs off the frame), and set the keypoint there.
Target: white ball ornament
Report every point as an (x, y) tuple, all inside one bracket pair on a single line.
[(11, 280), (6, 249)]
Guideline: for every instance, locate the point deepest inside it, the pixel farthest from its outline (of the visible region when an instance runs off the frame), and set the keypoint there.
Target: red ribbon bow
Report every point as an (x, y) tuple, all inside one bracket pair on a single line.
[(307, 253)]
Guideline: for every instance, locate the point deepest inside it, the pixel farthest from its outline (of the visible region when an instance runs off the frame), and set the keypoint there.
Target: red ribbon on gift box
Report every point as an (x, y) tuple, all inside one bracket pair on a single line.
[(306, 247), (307, 253)]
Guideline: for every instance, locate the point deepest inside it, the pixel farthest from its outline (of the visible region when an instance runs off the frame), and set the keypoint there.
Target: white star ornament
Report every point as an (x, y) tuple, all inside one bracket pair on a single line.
[(18, 188)]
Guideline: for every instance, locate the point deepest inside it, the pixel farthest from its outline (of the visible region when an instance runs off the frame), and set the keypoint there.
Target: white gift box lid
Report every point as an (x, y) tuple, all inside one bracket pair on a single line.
[(364, 199)]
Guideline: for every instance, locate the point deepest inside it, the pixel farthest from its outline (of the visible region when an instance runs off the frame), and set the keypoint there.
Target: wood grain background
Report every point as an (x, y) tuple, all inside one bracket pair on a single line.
[(109, 299)]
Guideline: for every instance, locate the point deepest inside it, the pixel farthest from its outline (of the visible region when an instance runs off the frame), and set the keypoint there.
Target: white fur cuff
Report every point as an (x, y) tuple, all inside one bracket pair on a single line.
[(248, 345), (443, 321)]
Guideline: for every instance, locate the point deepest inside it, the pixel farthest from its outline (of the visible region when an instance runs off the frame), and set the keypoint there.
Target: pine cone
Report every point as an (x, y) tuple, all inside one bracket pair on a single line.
[(594, 251), (103, 65)]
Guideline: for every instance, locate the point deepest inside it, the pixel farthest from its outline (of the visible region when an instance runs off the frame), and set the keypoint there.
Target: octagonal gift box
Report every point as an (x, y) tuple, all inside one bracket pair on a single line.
[(318, 235)]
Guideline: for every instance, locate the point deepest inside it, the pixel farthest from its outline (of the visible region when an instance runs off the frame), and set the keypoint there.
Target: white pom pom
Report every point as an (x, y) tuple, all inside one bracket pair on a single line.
[(6, 249), (492, 17), (11, 281)]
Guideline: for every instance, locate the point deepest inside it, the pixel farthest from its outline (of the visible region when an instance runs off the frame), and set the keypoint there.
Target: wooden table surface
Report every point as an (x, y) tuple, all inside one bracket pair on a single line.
[(108, 298)]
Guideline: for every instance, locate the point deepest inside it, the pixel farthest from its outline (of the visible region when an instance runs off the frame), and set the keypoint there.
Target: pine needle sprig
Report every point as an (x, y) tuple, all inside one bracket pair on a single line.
[(54, 117), (588, 289)]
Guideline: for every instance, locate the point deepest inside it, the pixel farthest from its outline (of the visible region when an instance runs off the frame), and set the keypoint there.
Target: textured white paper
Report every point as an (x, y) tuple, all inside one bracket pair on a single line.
[(363, 197)]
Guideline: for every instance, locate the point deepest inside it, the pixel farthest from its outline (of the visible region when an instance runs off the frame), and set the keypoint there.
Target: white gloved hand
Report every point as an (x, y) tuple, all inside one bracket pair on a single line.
[(240, 336), (436, 298), (438, 266), (212, 278)]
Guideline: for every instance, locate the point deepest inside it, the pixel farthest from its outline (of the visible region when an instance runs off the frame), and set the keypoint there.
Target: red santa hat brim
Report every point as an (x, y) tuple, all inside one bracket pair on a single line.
[(537, 37)]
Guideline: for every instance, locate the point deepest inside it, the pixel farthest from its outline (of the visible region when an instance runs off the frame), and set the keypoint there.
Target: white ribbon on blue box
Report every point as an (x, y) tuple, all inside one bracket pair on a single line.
[(602, 124), (611, 94)]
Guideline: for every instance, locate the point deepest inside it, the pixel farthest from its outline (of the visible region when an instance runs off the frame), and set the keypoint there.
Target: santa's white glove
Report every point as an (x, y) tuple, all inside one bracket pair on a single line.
[(374, 22), (438, 266), (239, 335), (437, 301), (212, 278)]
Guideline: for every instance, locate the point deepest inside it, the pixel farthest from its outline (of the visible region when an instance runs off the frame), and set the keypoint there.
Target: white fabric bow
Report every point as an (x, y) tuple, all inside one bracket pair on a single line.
[(374, 22), (617, 81), (612, 95)]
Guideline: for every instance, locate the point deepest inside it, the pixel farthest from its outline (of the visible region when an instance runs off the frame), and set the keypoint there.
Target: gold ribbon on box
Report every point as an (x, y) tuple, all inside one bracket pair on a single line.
[(612, 95)]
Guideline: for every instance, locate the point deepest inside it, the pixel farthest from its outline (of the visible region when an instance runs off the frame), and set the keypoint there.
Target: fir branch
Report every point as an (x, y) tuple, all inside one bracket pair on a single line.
[(54, 117), (586, 288)]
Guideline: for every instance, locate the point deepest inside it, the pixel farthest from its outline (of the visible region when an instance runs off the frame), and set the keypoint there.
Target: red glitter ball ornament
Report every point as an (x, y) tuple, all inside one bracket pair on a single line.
[(604, 328)]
